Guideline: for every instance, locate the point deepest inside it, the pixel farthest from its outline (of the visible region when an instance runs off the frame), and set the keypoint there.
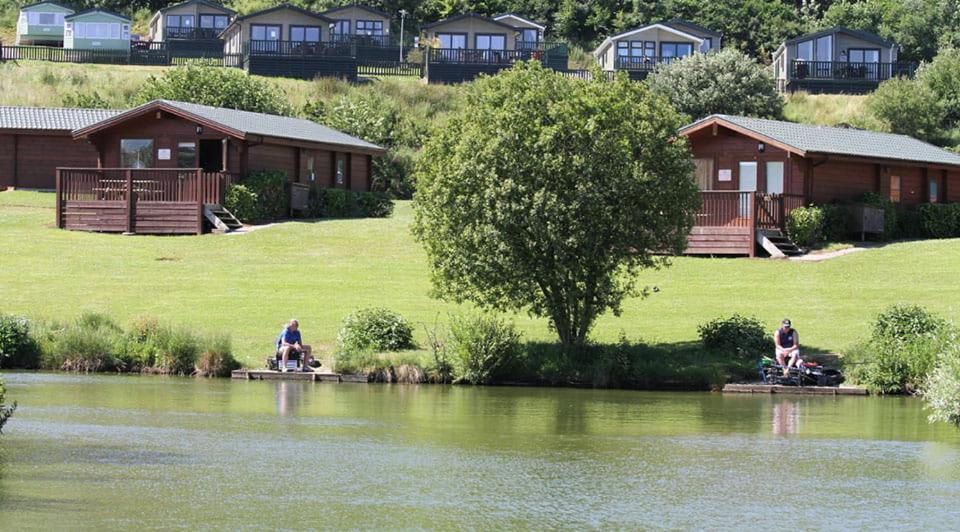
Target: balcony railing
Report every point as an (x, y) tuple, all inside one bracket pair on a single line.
[(299, 49), (495, 57), (739, 208), (383, 41), (837, 70), (193, 34), (642, 62)]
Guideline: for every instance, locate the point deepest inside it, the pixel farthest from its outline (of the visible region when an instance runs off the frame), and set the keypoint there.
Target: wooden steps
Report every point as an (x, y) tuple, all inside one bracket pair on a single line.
[(222, 220), (777, 244)]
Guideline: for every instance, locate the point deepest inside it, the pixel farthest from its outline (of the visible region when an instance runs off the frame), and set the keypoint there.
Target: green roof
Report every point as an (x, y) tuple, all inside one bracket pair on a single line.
[(826, 140)]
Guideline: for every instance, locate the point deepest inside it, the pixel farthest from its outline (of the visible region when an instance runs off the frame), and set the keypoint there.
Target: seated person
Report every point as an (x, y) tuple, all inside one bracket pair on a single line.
[(289, 342), (787, 340)]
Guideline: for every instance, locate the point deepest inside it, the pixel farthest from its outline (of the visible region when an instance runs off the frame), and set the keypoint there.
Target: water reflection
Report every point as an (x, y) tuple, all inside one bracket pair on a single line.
[(290, 397), (786, 418)]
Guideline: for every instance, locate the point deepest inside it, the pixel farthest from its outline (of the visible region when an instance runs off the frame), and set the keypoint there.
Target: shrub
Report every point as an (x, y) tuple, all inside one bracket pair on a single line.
[(216, 358), (5, 410), (909, 224), (374, 205), (178, 354), (393, 172), (270, 189), (82, 348), (939, 220), (835, 223), (942, 389), (726, 82), (242, 202), (214, 86), (374, 329), (339, 203), (742, 338), (880, 201), (86, 100), (901, 351), (17, 347), (481, 346), (942, 77), (907, 107), (805, 225)]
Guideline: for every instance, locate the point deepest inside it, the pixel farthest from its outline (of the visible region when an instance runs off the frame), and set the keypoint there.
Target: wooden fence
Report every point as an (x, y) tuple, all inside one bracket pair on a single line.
[(129, 200), (388, 68)]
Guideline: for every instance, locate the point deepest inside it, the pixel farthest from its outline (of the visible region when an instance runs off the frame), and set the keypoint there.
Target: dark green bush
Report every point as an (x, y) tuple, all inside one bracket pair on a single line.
[(242, 202), (836, 223), (901, 351), (339, 203), (805, 225), (216, 358), (204, 84), (178, 355), (481, 346), (374, 205), (907, 107), (742, 338), (374, 329), (939, 220), (270, 187), (6, 410), (890, 224), (17, 347), (393, 173), (910, 224), (942, 388)]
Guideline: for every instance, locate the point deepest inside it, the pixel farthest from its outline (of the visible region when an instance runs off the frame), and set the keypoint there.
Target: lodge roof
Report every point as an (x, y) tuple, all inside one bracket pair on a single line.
[(804, 139), (860, 34), (208, 3), (466, 16), (368, 9), (51, 119), (44, 2), (96, 11), (240, 124)]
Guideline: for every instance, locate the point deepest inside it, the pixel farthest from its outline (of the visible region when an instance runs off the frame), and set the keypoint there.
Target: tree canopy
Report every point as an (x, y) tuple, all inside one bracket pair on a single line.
[(727, 82), (216, 86), (548, 194)]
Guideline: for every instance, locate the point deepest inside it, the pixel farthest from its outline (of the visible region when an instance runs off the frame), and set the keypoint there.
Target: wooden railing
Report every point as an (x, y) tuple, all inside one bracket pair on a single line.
[(642, 62), (389, 68), (746, 209), (193, 34), (837, 70), (383, 41), (299, 49)]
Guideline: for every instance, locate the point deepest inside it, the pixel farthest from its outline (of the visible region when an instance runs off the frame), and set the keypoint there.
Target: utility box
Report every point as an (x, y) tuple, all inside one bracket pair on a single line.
[(299, 196), (866, 219)]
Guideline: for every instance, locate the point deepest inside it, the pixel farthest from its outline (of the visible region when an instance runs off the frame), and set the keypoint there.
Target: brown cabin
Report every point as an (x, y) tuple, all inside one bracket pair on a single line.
[(171, 159), (753, 172)]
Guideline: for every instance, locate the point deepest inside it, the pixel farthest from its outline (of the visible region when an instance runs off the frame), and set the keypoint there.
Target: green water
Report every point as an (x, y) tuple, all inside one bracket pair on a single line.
[(142, 452)]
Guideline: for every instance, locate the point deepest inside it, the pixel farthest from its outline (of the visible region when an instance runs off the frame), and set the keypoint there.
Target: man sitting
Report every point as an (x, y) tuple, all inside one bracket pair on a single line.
[(787, 340), (289, 342)]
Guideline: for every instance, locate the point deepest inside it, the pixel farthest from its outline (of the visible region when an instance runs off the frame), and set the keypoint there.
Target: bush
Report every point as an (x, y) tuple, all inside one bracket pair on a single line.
[(909, 224), (907, 107), (17, 347), (726, 82), (242, 202), (942, 389), (215, 86), (481, 346), (374, 205), (374, 329), (216, 359), (901, 351), (835, 223), (339, 203), (270, 187), (939, 220), (742, 338), (5, 410), (393, 173), (83, 347), (890, 224), (942, 77), (178, 354), (805, 225)]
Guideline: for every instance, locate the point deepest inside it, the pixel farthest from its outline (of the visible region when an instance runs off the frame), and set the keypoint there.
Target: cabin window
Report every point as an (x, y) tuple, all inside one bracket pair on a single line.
[(100, 30), (44, 19), (934, 191), (180, 21), (370, 27), (452, 40), (774, 177), (529, 35), (136, 153), (490, 42), (262, 32), (895, 188), (310, 171), (342, 27), (675, 49), (341, 170), (214, 21), (805, 50), (187, 155), (706, 45), (305, 33), (824, 51)]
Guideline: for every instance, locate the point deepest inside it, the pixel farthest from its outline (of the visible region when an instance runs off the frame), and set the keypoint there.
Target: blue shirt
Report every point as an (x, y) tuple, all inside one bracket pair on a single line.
[(291, 337)]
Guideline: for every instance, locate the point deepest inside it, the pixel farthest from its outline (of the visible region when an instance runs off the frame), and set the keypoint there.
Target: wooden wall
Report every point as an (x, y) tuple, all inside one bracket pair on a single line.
[(842, 181), (30, 160), (727, 149), (149, 217), (274, 157)]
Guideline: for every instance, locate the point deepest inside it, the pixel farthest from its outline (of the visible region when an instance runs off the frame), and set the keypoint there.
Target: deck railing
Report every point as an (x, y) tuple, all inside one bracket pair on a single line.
[(299, 49), (837, 70), (642, 63), (193, 34), (383, 41), (746, 209)]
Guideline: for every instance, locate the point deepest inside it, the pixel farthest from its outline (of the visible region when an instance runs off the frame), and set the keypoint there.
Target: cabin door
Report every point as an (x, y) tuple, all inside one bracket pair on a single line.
[(704, 173), (748, 183), (211, 155)]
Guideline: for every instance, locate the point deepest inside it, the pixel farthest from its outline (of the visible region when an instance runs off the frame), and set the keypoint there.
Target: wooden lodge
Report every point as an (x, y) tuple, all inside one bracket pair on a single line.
[(753, 172), (164, 167)]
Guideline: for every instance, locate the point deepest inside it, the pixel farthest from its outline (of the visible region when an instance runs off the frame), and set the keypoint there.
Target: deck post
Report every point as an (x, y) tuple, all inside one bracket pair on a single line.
[(199, 217), (783, 212), (753, 223), (59, 188), (129, 198), (200, 187)]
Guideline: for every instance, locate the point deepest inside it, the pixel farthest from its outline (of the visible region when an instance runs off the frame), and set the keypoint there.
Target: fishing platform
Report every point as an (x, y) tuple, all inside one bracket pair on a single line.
[(794, 390), (313, 376)]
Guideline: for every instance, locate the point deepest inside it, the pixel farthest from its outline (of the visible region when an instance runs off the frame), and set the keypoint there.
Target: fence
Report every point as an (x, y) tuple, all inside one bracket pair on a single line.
[(842, 70), (389, 68), (725, 209)]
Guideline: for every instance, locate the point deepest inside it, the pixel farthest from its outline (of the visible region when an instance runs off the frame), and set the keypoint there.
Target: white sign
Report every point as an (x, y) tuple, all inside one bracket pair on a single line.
[(725, 174), (163, 154)]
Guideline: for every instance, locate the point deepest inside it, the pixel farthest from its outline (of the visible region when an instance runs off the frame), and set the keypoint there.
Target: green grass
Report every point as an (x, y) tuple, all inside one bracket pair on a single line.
[(248, 285), (825, 109)]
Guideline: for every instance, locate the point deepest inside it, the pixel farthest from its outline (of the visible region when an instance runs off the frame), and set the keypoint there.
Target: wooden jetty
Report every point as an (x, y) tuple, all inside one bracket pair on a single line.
[(794, 390), (313, 376)]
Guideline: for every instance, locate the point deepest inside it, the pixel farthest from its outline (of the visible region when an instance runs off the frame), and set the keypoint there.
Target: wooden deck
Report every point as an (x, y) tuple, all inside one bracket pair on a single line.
[(794, 390), (728, 221), (312, 376)]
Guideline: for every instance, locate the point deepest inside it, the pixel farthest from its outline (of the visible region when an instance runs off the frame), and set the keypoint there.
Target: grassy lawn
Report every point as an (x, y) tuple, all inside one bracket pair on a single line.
[(249, 284)]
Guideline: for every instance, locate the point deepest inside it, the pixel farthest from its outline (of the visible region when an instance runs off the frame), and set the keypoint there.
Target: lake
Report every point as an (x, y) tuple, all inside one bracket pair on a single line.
[(152, 452)]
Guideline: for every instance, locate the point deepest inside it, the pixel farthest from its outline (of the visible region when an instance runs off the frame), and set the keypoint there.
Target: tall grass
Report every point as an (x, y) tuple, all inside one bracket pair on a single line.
[(826, 109)]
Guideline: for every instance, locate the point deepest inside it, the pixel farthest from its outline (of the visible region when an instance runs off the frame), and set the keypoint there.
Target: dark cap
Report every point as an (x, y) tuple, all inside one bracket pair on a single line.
[(785, 322)]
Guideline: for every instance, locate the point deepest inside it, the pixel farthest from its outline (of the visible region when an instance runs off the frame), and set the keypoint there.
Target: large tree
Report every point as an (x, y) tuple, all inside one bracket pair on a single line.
[(727, 82), (548, 194)]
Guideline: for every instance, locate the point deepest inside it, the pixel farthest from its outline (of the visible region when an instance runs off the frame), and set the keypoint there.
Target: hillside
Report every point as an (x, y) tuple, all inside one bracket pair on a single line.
[(246, 284)]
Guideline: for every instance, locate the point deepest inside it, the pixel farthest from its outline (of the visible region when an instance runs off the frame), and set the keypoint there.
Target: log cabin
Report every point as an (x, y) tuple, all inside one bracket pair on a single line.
[(752, 172), (173, 160)]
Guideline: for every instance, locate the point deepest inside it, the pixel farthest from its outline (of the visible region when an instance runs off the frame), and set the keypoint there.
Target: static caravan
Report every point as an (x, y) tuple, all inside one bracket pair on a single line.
[(96, 29), (41, 24)]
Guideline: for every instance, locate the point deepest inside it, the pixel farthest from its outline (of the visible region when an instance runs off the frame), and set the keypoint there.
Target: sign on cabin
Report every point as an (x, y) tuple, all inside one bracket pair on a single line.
[(163, 154), (725, 174)]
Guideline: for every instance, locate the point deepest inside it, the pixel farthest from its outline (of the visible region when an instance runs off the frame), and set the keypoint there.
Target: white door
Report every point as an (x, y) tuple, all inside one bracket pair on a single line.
[(748, 183), (774, 177)]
